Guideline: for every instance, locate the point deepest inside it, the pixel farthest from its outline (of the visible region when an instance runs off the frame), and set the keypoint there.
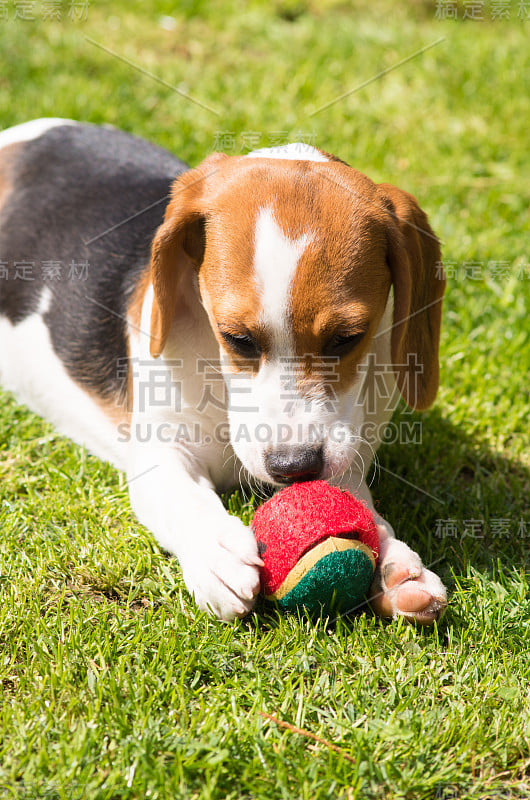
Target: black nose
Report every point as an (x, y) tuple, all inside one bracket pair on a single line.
[(288, 464)]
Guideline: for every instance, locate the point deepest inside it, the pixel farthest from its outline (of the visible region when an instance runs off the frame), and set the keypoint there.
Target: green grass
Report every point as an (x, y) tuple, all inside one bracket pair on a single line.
[(113, 685)]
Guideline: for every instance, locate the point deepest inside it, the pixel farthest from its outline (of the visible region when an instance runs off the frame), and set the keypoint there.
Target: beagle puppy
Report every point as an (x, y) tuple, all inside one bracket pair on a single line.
[(254, 319)]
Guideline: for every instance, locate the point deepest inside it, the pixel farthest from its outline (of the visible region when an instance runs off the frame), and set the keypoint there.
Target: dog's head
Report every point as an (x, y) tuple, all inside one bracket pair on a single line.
[(296, 256)]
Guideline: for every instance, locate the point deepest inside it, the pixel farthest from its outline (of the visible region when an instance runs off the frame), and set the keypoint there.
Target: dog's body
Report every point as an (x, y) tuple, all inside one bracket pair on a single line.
[(259, 314)]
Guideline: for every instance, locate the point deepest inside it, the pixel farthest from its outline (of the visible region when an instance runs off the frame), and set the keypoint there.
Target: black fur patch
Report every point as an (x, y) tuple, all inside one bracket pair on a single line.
[(80, 220)]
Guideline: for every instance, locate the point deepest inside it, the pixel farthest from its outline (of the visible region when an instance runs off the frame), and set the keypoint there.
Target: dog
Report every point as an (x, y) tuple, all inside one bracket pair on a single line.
[(254, 319)]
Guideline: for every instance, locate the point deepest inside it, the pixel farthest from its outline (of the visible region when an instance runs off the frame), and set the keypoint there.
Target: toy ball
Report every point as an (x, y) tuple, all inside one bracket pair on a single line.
[(319, 546)]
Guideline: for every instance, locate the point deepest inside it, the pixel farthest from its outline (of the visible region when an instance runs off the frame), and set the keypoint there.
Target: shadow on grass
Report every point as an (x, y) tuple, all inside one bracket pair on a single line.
[(475, 511)]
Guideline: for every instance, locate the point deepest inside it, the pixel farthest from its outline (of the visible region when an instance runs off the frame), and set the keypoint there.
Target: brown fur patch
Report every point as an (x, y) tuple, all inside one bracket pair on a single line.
[(134, 322), (419, 283), (134, 310)]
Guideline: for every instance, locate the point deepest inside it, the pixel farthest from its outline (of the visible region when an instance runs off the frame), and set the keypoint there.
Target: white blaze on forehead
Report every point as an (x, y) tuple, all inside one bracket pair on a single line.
[(296, 151), (275, 261)]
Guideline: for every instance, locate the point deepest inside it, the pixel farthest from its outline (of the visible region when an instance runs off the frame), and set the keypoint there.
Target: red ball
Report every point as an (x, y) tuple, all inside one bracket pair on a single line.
[(302, 516)]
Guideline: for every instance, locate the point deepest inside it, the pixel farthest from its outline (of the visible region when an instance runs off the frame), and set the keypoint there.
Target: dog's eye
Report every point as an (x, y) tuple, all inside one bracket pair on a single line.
[(340, 345), (242, 344)]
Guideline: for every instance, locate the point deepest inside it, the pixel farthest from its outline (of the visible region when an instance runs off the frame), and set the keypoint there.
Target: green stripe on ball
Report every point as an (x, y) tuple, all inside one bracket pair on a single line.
[(338, 582)]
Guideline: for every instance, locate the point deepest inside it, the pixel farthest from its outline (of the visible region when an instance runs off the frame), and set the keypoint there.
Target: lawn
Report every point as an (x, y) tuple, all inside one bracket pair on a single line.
[(112, 684)]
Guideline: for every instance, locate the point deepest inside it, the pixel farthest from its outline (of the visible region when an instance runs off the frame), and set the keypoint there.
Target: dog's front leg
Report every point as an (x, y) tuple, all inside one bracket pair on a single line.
[(402, 586), (172, 496)]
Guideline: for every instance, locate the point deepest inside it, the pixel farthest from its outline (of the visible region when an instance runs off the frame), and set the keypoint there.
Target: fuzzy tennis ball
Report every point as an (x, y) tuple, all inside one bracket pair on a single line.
[(319, 546)]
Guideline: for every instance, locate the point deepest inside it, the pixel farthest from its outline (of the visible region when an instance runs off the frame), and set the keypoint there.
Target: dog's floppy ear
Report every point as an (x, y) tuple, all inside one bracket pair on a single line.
[(178, 246), (418, 279)]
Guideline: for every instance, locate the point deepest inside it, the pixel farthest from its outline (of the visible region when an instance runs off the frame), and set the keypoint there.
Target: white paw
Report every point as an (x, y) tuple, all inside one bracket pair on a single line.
[(403, 587), (221, 568)]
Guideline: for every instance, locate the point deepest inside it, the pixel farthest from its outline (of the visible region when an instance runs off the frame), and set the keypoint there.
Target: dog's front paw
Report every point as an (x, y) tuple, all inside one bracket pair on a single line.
[(221, 569), (402, 587)]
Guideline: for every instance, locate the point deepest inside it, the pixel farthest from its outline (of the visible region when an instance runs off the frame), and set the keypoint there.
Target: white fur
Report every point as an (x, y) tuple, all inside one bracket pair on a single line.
[(31, 130), (276, 258), (30, 368), (295, 151)]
